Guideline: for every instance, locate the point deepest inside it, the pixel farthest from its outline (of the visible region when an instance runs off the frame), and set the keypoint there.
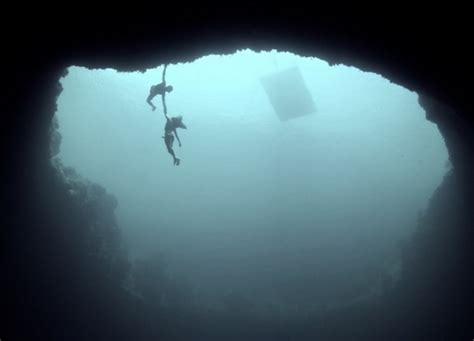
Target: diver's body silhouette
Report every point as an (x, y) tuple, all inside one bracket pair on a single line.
[(159, 89), (172, 123)]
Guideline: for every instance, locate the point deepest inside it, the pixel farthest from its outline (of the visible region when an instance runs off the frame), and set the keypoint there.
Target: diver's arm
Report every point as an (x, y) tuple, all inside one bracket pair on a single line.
[(177, 137)]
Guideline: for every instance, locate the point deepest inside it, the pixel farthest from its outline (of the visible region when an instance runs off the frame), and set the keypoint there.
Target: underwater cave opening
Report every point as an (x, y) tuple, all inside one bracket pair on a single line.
[(306, 213)]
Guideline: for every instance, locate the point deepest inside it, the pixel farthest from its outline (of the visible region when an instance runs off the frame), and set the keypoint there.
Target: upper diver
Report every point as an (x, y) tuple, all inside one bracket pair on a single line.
[(159, 89)]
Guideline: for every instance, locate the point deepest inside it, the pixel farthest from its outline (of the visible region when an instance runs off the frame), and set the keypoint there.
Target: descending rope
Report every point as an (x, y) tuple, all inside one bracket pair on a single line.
[(163, 97)]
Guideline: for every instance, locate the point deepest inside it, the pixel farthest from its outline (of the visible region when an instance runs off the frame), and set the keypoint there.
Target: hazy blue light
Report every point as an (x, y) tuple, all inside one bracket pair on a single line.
[(255, 200)]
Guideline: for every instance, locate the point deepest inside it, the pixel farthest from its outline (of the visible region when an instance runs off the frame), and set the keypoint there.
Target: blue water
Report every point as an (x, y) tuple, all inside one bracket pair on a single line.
[(307, 211)]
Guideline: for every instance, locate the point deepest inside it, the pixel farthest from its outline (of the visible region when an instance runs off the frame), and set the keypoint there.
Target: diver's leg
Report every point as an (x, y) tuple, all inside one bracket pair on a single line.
[(148, 100), (169, 145)]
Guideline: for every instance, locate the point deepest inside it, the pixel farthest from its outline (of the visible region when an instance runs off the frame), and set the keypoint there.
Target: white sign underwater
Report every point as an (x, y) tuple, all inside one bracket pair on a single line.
[(288, 94)]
